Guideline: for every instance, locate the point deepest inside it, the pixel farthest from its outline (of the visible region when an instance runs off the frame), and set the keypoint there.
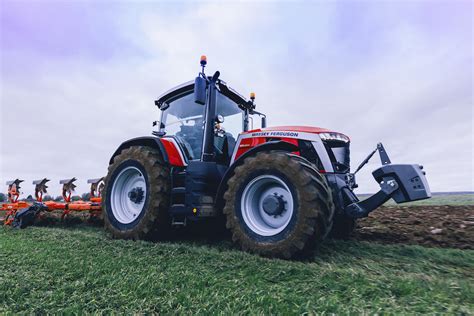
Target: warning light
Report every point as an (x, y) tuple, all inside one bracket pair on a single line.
[(195, 210), (252, 96), (203, 60)]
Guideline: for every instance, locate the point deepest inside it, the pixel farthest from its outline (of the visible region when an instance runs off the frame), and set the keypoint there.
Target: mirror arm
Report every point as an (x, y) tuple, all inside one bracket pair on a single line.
[(258, 113), (264, 117), (203, 76), (246, 120)]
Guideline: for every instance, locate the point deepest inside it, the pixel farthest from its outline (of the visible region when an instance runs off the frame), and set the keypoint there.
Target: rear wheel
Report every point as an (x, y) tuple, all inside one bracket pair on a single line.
[(136, 194), (278, 205)]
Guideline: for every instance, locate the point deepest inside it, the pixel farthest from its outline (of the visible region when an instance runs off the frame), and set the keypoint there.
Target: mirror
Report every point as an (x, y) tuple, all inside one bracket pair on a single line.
[(159, 123), (264, 122), (200, 90)]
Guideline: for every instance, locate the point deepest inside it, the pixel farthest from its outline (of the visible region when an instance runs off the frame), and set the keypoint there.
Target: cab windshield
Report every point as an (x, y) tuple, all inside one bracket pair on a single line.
[(184, 120), (232, 114)]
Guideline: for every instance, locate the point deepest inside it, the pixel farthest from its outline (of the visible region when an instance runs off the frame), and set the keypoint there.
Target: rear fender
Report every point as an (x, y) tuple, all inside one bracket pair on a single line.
[(271, 145), (149, 141)]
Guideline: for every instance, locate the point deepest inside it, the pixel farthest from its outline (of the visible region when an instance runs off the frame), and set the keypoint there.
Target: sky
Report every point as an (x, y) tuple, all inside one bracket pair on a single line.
[(77, 78)]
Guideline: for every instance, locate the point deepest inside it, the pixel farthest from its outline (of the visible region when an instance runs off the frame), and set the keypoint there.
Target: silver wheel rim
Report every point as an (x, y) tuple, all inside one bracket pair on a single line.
[(125, 208), (253, 213)]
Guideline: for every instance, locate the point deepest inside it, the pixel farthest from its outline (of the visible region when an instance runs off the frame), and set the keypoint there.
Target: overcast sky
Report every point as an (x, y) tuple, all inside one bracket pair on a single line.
[(78, 77)]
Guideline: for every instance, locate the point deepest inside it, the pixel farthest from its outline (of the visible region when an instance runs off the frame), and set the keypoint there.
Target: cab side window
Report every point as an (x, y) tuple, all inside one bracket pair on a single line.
[(184, 120)]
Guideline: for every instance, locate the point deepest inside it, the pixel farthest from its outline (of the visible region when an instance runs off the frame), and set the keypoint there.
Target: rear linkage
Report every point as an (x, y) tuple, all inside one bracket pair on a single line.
[(402, 182)]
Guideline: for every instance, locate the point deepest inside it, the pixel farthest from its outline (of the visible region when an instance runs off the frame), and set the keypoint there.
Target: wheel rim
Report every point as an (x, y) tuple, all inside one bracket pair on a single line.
[(128, 195), (257, 215)]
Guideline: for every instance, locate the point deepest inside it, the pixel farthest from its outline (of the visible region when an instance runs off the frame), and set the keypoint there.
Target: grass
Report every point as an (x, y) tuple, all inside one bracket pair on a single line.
[(81, 270), (437, 199)]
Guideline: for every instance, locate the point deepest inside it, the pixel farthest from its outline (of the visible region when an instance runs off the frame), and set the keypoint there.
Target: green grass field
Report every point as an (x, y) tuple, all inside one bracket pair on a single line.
[(438, 199), (80, 270)]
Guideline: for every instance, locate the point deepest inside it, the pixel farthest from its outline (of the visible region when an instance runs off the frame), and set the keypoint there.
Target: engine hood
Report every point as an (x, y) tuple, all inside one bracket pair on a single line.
[(295, 129), (303, 129)]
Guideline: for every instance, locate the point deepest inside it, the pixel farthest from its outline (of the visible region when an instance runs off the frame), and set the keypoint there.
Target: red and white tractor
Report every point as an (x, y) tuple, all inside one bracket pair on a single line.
[(281, 189)]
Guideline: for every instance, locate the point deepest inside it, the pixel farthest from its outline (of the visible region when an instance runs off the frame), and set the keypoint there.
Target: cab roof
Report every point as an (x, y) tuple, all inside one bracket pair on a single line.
[(184, 88)]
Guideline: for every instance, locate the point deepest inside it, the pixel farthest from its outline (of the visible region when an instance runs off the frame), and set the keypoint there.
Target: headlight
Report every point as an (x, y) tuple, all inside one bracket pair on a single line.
[(334, 136)]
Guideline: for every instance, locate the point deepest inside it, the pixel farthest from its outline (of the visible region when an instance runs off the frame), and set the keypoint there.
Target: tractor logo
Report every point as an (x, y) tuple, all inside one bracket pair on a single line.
[(275, 134)]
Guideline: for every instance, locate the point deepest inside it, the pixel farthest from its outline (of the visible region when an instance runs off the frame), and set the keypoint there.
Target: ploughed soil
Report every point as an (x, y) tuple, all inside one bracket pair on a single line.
[(433, 226)]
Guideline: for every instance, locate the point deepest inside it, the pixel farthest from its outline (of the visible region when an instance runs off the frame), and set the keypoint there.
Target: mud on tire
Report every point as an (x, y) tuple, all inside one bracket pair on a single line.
[(153, 218), (312, 212)]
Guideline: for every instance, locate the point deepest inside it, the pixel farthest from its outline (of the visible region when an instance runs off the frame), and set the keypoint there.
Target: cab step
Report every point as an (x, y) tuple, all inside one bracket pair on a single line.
[(179, 221)]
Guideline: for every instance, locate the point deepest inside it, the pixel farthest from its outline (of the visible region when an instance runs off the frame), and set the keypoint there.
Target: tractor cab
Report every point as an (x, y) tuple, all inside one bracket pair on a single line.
[(183, 120), (219, 122)]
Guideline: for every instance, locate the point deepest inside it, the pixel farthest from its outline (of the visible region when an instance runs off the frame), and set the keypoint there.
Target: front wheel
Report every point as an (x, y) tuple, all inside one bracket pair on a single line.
[(278, 205)]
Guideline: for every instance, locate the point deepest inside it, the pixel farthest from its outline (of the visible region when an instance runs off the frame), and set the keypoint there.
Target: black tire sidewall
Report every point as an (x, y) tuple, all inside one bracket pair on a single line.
[(281, 236), (113, 221)]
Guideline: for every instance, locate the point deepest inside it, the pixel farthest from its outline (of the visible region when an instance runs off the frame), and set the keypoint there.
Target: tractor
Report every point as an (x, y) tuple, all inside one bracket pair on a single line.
[(280, 190)]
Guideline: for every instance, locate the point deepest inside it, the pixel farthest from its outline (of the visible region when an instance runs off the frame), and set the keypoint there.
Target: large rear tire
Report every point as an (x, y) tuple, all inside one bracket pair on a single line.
[(278, 205), (136, 195)]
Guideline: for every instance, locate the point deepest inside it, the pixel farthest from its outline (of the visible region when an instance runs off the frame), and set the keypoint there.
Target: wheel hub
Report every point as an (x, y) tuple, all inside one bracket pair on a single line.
[(267, 205), (136, 195), (129, 192), (274, 205)]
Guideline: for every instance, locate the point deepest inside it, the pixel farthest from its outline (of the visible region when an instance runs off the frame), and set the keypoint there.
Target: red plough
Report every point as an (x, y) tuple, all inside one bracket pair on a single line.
[(13, 204), (17, 211)]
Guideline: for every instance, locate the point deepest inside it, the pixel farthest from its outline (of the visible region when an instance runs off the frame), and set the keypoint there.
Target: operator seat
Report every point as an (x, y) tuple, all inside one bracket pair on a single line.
[(191, 138)]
